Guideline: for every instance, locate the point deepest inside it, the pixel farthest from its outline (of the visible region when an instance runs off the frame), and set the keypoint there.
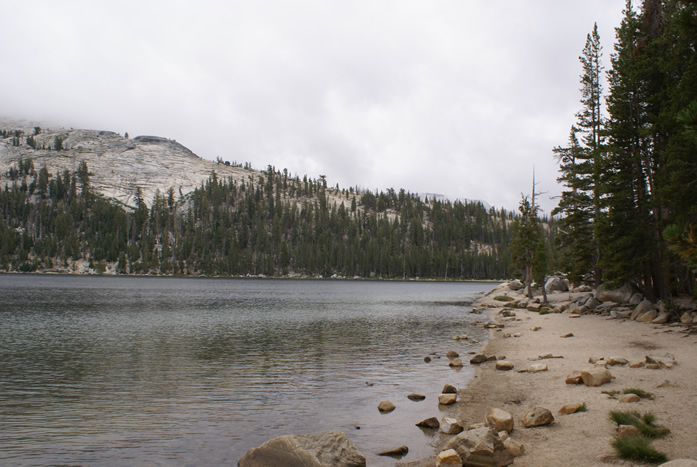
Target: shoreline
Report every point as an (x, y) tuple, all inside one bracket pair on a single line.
[(580, 438)]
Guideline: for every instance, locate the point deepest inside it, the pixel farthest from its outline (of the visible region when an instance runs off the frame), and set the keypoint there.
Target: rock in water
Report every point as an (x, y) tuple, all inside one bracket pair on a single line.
[(479, 358), (447, 399), (397, 452), (309, 450), (431, 423), (539, 416), (449, 389), (416, 397), (386, 407)]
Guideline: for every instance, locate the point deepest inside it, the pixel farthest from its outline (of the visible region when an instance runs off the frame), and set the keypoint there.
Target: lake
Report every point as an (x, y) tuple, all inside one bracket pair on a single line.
[(191, 371)]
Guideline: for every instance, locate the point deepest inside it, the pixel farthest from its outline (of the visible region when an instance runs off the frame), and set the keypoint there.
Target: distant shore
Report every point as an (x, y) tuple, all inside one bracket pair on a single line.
[(580, 438), (249, 276)]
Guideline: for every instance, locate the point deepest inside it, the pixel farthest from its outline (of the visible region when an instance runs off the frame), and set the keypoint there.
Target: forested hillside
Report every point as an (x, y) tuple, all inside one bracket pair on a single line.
[(268, 224), (629, 168)]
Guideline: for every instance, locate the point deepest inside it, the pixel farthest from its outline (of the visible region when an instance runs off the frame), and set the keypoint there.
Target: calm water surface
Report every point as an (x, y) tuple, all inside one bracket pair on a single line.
[(168, 371)]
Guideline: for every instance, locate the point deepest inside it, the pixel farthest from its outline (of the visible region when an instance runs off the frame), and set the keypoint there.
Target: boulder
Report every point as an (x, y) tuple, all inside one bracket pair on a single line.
[(666, 361), (452, 354), (648, 316), (450, 426), (620, 314), (556, 284), (514, 448), (396, 452), (613, 361), (642, 308), (686, 318), (574, 378), (596, 376), (539, 416), (504, 365), (628, 398), (662, 318), (627, 431), (449, 389), (499, 420), (305, 450), (456, 363), (479, 358), (431, 423), (537, 367), (568, 409), (621, 295), (427, 359), (591, 304), (386, 407), (680, 463), (480, 447), (448, 457), (636, 299), (447, 399), (515, 285), (416, 397)]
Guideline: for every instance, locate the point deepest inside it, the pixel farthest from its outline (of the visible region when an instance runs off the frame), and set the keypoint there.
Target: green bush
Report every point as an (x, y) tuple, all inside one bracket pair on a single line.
[(638, 448), (643, 423), (503, 298)]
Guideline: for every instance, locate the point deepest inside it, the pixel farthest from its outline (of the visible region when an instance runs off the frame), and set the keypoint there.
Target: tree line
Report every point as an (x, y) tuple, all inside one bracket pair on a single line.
[(269, 224), (629, 167)]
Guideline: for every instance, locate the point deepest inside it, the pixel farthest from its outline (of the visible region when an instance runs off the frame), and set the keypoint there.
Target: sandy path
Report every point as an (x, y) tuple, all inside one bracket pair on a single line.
[(584, 438)]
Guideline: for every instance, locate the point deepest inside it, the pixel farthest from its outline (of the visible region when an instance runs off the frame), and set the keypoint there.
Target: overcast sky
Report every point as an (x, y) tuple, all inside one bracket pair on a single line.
[(461, 97)]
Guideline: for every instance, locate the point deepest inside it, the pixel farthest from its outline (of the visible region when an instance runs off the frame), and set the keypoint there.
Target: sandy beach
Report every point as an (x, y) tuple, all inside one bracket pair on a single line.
[(582, 438)]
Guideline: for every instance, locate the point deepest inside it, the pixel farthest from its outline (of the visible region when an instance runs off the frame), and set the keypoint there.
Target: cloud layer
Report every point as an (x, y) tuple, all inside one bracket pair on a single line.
[(456, 97)]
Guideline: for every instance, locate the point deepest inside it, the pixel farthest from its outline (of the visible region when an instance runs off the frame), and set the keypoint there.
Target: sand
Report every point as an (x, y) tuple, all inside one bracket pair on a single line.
[(583, 438)]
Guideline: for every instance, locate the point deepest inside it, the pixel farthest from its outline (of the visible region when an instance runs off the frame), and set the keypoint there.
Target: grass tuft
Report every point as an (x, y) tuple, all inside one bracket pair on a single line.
[(638, 448), (582, 408), (644, 423)]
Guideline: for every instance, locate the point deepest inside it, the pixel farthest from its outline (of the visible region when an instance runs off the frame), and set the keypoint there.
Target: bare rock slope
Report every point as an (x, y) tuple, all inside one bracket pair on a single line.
[(117, 165)]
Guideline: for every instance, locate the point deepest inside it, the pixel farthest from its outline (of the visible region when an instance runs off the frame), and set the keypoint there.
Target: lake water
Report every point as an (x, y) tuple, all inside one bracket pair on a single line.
[(170, 371)]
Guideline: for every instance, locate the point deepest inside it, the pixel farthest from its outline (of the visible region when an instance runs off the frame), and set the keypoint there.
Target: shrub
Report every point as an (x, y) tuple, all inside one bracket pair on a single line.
[(503, 298), (644, 423), (638, 448)]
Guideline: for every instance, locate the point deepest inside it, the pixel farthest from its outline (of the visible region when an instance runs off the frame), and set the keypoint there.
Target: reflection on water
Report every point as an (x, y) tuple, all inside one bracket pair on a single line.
[(113, 370)]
